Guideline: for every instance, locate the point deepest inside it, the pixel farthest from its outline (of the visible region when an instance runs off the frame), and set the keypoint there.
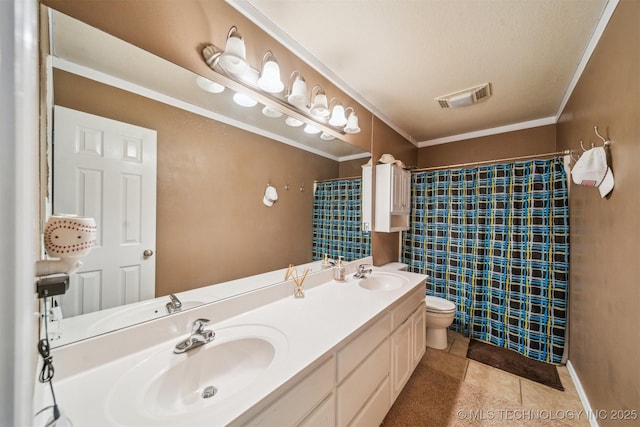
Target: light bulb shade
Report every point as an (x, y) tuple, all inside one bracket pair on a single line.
[(327, 136), (269, 80), (209, 85), (310, 129), (320, 107), (337, 116), (298, 95), (270, 112), (234, 58), (290, 121), (244, 100), (352, 124)]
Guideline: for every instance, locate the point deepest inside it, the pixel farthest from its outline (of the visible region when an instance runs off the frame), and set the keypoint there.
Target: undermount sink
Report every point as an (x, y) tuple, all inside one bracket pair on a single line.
[(166, 385), (378, 281)]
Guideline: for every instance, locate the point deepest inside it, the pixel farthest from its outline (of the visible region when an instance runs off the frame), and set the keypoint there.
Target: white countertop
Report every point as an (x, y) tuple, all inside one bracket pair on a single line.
[(312, 328), (77, 328)]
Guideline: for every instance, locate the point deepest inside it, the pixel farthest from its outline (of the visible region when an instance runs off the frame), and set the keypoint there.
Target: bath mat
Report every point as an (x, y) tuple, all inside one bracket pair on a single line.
[(514, 363)]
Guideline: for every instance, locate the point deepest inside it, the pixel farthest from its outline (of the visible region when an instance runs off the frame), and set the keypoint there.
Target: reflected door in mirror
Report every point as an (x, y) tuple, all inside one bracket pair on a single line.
[(107, 170)]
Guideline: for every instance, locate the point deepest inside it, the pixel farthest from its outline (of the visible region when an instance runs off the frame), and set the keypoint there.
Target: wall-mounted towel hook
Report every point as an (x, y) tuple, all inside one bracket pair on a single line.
[(572, 157), (605, 141), (582, 146), (302, 188)]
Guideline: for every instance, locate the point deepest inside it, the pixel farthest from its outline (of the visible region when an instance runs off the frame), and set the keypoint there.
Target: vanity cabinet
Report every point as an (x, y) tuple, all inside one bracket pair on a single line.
[(323, 416), (401, 358), (408, 341), (393, 196), (419, 333), (358, 384), (308, 402)]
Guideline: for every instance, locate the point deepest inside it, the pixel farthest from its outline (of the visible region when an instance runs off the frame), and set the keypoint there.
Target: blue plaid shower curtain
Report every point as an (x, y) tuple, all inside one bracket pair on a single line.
[(337, 217), (495, 241)]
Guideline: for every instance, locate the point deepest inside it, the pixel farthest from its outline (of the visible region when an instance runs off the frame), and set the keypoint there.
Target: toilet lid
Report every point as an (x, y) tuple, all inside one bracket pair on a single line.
[(438, 304)]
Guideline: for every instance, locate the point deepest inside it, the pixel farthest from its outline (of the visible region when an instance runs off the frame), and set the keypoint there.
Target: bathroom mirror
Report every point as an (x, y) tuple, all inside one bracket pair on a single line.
[(214, 160)]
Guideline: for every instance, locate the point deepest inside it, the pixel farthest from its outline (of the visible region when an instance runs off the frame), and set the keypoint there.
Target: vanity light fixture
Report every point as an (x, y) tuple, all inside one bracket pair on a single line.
[(253, 86), (298, 96), (234, 58), (209, 85), (290, 121), (311, 130), (319, 105), (338, 118), (244, 100), (269, 80), (352, 122), (270, 112)]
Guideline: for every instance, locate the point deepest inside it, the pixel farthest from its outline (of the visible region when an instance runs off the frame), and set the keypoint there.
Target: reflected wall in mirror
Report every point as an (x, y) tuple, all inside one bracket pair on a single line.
[(212, 225)]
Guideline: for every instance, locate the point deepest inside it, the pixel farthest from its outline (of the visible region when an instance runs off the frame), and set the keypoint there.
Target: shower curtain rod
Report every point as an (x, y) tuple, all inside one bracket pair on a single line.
[(534, 156), (346, 178)]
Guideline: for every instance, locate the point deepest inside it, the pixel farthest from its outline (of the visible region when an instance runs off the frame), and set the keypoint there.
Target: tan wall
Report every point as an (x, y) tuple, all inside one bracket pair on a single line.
[(384, 246), (211, 223), (604, 342), (352, 168), (511, 144)]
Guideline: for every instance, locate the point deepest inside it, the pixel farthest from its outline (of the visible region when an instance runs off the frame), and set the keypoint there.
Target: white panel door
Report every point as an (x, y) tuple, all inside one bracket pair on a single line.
[(107, 170)]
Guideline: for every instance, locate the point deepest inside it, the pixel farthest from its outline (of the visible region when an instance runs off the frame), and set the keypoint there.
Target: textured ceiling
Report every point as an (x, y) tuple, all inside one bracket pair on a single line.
[(396, 56)]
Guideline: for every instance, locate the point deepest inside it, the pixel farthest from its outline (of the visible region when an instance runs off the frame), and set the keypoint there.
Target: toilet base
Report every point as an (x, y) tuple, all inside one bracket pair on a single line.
[(437, 338)]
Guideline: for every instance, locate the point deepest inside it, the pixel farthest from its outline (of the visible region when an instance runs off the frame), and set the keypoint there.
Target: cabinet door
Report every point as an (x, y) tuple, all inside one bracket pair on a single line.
[(419, 334), (401, 358), (376, 408), (303, 398), (358, 387), (323, 416), (366, 199), (396, 190), (401, 190), (406, 190)]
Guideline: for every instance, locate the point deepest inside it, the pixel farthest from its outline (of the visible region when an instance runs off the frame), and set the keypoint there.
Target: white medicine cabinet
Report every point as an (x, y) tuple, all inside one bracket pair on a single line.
[(392, 201)]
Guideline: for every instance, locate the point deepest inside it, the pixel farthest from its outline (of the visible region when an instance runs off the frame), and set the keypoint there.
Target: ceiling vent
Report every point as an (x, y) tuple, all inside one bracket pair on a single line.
[(465, 97)]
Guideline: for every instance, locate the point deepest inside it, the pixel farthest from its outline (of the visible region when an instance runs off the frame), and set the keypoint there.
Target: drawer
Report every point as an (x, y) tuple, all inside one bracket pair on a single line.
[(323, 416), (401, 312), (376, 408), (311, 390), (356, 390), (359, 348)]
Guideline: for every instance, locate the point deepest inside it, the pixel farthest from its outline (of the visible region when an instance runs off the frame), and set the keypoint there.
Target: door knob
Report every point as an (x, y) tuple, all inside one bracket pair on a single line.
[(147, 253)]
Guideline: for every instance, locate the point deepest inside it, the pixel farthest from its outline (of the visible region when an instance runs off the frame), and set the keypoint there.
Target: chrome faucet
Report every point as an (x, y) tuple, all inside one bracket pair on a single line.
[(362, 270), (199, 336), (173, 305)]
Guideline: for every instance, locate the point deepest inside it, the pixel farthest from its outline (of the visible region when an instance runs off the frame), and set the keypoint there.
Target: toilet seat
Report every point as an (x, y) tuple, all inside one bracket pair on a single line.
[(439, 305)]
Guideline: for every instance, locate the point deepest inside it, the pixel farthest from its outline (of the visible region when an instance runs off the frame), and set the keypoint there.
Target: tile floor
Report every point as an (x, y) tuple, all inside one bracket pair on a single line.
[(531, 395)]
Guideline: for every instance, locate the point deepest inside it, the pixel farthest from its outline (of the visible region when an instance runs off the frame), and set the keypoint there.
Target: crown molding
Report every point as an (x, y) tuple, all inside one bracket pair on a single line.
[(488, 132)]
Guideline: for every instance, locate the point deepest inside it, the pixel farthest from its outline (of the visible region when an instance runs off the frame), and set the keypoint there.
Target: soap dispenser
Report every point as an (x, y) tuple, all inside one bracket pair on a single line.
[(338, 271)]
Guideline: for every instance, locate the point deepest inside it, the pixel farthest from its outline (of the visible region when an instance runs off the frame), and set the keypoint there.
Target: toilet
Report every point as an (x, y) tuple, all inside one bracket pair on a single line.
[(439, 316)]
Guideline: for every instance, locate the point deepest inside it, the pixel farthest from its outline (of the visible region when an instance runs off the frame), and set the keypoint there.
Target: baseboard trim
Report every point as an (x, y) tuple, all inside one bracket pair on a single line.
[(582, 395)]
